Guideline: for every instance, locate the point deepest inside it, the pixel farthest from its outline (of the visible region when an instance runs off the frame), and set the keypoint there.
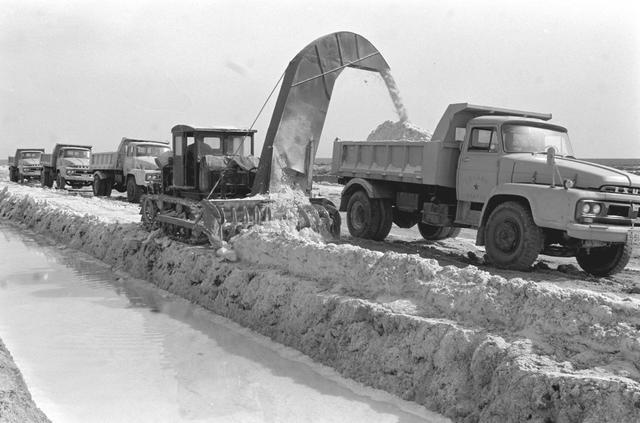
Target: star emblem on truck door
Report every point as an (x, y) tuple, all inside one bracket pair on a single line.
[(476, 186)]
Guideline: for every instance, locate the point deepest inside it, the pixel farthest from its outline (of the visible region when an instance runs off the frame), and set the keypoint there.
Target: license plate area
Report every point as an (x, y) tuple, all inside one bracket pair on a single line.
[(633, 237)]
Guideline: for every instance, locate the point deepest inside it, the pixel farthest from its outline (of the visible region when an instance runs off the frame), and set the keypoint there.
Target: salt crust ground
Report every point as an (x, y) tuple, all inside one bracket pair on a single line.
[(16, 404), (462, 342)]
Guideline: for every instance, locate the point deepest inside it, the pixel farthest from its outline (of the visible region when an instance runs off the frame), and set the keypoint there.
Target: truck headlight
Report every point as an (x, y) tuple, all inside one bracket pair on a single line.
[(151, 176), (69, 171), (587, 210)]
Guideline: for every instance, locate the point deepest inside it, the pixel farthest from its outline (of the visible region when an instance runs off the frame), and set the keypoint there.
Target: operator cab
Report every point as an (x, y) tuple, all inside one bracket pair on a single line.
[(206, 159)]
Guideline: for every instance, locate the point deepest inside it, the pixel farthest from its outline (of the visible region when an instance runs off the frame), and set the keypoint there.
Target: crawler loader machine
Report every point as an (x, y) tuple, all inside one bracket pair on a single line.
[(212, 184)]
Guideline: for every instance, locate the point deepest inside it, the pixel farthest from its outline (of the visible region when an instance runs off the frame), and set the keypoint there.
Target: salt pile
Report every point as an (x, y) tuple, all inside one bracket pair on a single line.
[(399, 131)]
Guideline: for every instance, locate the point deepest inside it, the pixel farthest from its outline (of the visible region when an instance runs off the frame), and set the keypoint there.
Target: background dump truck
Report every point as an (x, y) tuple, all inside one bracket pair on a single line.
[(25, 164), (132, 168), (510, 174), (67, 164)]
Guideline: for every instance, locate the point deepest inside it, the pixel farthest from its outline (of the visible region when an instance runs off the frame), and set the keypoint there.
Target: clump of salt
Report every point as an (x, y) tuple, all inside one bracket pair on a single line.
[(399, 131)]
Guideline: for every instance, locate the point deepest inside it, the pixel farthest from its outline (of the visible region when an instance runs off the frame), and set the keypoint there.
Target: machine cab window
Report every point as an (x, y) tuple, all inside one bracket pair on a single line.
[(211, 145)]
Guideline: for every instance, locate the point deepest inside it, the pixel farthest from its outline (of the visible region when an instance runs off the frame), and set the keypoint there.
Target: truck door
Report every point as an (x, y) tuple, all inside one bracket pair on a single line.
[(478, 165)]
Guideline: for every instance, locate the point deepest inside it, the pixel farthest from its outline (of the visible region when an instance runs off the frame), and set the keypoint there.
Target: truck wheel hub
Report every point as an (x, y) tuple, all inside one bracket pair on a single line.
[(358, 216), (507, 236)]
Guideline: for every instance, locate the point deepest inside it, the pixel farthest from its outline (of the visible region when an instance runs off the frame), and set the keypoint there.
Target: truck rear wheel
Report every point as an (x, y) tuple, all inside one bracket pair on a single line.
[(386, 219), (513, 241), (133, 191), (12, 175), (604, 261), (45, 179), (98, 186), (363, 216), (108, 186), (436, 233)]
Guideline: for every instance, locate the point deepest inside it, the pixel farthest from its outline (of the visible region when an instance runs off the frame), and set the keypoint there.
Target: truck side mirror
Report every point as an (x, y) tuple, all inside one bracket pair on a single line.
[(551, 156)]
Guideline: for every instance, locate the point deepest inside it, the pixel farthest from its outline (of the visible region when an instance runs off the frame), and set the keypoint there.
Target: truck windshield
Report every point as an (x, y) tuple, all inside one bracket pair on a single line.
[(30, 155), (74, 152), (150, 150), (534, 139)]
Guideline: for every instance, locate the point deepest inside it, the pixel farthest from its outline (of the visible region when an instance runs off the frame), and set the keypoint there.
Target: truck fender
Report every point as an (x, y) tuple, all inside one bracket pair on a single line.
[(138, 175), (100, 174), (550, 207), (373, 190)]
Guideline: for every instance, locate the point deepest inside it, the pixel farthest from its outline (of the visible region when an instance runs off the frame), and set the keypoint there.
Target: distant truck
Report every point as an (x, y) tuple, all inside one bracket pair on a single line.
[(68, 164), (132, 168), (25, 164), (508, 173)]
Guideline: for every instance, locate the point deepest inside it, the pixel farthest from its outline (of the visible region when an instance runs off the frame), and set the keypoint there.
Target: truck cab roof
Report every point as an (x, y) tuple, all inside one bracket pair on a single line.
[(126, 140), (229, 130), (500, 120)]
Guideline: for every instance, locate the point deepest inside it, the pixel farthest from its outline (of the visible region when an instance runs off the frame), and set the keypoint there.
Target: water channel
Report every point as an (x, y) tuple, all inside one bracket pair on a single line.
[(94, 346)]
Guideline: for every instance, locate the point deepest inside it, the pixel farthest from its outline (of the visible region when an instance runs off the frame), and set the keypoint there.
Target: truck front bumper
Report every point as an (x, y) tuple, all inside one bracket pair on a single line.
[(86, 179), (598, 232)]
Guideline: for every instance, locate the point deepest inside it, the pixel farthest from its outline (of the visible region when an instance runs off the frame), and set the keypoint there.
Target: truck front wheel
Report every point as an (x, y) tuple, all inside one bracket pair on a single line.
[(60, 182), (604, 261), (133, 191), (363, 216), (513, 241)]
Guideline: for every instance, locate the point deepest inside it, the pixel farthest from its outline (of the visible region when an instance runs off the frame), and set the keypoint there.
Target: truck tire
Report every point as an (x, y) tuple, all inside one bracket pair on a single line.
[(512, 239), (363, 216), (12, 175), (436, 233), (604, 261), (60, 182), (108, 186), (386, 219), (45, 179), (98, 186), (133, 191)]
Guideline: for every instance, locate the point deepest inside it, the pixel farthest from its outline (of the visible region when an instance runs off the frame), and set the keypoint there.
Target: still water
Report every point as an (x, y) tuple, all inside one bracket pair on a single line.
[(94, 346)]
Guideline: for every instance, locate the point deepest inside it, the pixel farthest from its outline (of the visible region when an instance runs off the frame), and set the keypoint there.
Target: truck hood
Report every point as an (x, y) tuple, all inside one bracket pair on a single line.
[(74, 162), (30, 162), (533, 168), (144, 163)]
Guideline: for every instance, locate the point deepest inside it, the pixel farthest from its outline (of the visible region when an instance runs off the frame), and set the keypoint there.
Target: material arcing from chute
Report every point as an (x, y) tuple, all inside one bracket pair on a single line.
[(303, 102)]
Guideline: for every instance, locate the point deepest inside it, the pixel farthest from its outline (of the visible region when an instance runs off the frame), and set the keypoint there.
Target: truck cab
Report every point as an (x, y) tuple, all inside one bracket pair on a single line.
[(25, 164), (68, 164), (216, 161), (492, 144)]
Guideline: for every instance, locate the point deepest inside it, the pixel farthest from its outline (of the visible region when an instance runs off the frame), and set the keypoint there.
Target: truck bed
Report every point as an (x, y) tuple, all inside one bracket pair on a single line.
[(104, 161), (418, 162)]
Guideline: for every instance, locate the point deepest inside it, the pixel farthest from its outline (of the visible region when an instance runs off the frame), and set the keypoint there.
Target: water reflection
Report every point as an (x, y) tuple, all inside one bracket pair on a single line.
[(94, 346)]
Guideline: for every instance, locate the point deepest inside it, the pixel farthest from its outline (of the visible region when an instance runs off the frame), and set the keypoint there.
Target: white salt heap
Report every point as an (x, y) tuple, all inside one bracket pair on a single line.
[(399, 131)]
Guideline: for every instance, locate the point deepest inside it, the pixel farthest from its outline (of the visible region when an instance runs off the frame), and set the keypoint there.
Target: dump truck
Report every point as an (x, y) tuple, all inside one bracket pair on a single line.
[(510, 174), (213, 186), (67, 164), (25, 164), (131, 168)]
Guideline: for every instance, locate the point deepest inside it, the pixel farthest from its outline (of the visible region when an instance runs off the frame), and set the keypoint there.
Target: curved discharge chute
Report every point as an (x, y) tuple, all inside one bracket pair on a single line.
[(303, 102)]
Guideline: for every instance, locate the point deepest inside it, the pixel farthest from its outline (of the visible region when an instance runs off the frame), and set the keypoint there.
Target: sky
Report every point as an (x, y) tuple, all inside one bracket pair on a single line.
[(91, 72)]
